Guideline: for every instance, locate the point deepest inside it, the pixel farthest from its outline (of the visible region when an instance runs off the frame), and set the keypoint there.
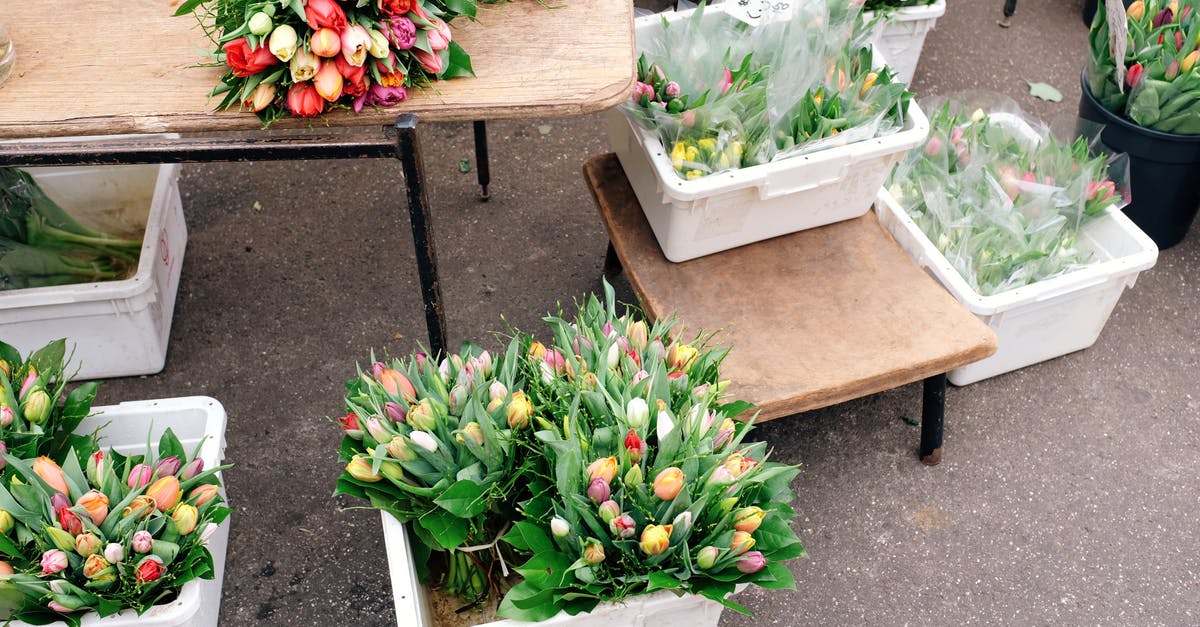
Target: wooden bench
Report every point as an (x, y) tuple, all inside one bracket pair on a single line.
[(814, 318)]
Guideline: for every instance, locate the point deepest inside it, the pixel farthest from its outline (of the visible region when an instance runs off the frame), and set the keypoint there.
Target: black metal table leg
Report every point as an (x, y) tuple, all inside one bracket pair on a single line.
[(481, 159), (1010, 7), (612, 263), (933, 412), (408, 150)]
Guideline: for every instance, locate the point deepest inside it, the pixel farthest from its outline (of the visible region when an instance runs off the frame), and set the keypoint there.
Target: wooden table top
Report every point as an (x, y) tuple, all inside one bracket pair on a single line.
[(814, 318), (126, 66)]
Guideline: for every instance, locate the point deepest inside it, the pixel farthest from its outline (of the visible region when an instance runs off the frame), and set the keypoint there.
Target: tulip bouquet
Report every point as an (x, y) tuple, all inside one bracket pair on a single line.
[(112, 533), (303, 57), (798, 84), (1002, 202), (433, 444), (1161, 85), (37, 416), (885, 5), (639, 500)]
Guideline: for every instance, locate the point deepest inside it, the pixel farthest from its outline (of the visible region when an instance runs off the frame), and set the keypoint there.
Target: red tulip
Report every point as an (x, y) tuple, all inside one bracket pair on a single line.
[(149, 569), (430, 62), (324, 14), (1134, 75), (396, 7), (247, 61), (304, 101)]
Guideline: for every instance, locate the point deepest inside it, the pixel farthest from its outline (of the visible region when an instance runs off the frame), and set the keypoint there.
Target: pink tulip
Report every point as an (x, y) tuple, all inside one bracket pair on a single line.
[(402, 34), (329, 82), (751, 562), (142, 541), (53, 561), (356, 45), (139, 476)]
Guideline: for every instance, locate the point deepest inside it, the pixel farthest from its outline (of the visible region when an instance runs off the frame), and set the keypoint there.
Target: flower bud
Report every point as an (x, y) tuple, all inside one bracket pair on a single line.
[(114, 552), (623, 526), (494, 404), (168, 466), (741, 543), (638, 377), (458, 398), (497, 391), (6, 568), (395, 412), (53, 562), (397, 384), (633, 477), (140, 507), (474, 431), (398, 448), (637, 413), (6, 415), (1134, 75), (593, 551), (680, 356), (559, 527), (96, 504), (682, 522), (139, 476), (5, 369), (1172, 69), (149, 569), (6, 521), (707, 557), (392, 470), (536, 350), (598, 490), (50, 472), (185, 517), (142, 541), (638, 335), (379, 44), (36, 407), (94, 564), (724, 434), (1189, 61), (603, 468), (325, 42), (165, 492), (63, 540), (193, 468), (375, 428), (304, 64), (202, 494), (424, 440), (751, 562), (88, 543), (261, 97), (668, 483), (655, 539), (422, 416), (748, 519), (283, 42), (260, 23), (1136, 11), (519, 411), (360, 469), (95, 468), (635, 445), (609, 510)]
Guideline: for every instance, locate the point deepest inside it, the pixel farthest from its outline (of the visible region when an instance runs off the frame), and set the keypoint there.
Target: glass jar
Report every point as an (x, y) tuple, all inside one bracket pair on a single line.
[(8, 58)]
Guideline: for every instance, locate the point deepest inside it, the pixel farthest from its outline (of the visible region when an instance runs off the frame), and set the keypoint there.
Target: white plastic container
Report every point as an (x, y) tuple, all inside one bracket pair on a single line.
[(729, 209), (900, 36), (660, 609), (117, 328), (1046, 319), (192, 419)]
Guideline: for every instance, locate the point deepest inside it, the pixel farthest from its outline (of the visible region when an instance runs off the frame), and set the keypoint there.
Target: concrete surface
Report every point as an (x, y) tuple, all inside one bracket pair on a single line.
[(1068, 494)]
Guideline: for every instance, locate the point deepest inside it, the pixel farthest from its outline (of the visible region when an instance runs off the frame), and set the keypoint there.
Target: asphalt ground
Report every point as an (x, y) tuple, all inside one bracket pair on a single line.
[(1067, 493)]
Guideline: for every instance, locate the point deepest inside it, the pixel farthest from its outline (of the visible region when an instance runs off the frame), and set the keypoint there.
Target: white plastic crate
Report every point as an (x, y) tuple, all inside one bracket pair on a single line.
[(117, 328), (901, 36), (660, 609), (1042, 320), (729, 209), (192, 419)]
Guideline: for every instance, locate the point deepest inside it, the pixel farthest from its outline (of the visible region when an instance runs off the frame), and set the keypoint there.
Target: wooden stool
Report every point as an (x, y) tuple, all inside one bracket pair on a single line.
[(814, 318)]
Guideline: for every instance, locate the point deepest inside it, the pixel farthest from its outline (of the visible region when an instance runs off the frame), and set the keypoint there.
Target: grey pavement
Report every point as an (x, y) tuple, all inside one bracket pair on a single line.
[(1068, 493)]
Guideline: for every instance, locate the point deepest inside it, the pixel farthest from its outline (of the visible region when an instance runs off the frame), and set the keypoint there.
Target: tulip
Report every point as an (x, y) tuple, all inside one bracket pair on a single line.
[(185, 517), (720, 476), (707, 557), (168, 466), (260, 23), (655, 539), (6, 569), (933, 147), (424, 440), (664, 425), (635, 445), (6, 415), (593, 551), (682, 522), (96, 504), (604, 468), (392, 470), (36, 407), (474, 431), (394, 412), (519, 410), (303, 67), (439, 38), (88, 543), (329, 82), (53, 561), (261, 97), (283, 42), (623, 526), (637, 413), (1136, 11), (559, 527), (94, 564), (668, 483), (142, 541), (139, 476), (634, 476), (394, 381), (375, 428), (430, 61), (422, 416), (497, 391), (1134, 75), (114, 553), (398, 448), (458, 397), (741, 543), (400, 32), (350, 425), (5, 368), (680, 356), (303, 99), (50, 472), (63, 540), (598, 490), (609, 510), (6, 521), (59, 607), (748, 519), (360, 469), (1164, 17), (165, 492), (379, 44), (95, 468), (202, 494), (140, 507), (751, 562), (1189, 61), (356, 44), (193, 468), (149, 569), (324, 14)]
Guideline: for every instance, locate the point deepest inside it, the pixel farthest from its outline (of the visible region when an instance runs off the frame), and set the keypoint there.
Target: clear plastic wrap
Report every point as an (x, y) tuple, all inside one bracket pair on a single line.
[(999, 196)]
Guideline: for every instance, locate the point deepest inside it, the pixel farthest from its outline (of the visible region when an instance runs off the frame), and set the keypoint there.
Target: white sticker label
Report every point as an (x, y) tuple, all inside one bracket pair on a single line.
[(759, 12)]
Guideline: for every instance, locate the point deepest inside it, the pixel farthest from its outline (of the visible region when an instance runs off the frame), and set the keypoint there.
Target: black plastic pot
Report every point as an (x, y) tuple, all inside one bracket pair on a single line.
[(1164, 171)]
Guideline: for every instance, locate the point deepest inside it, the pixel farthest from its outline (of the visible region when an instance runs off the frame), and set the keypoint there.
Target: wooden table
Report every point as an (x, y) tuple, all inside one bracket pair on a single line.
[(110, 67), (814, 318)]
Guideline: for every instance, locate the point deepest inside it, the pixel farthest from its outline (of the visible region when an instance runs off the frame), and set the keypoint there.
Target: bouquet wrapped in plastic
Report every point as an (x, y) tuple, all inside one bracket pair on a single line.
[(1000, 197), (724, 91), (1157, 82)]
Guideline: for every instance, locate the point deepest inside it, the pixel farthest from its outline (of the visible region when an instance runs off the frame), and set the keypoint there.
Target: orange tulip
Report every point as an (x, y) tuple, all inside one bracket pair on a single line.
[(668, 483), (96, 504), (325, 42), (165, 492), (49, 471), (741, 543), (655, 539)]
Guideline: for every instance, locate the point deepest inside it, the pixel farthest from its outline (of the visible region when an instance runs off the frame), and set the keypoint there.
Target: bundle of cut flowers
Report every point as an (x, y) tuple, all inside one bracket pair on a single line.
[(887, 5), (722, 94), (37, 416), (1156, 83), (43, 245), (304, 57), (618, 467), (1001, 198)]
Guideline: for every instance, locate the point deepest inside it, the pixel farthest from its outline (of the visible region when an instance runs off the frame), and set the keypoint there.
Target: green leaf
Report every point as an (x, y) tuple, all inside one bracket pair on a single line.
[(776, 576), (660, 580), (458, 62), (1044, 91), (448, 530), (10, 354), (169, 445), (528, 537), (464, 499), (547, 569), (187, 6), (49, 358), (527, 602)]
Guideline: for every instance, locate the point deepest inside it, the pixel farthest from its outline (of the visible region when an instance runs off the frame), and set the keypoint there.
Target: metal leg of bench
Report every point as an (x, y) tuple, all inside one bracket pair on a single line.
[(481, 159), (933, 411), (612, 263), (408, 150)]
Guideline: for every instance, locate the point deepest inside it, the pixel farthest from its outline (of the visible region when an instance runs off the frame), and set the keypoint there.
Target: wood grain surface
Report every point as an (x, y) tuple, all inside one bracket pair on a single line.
[(814, 318), (128, 66)]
